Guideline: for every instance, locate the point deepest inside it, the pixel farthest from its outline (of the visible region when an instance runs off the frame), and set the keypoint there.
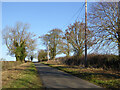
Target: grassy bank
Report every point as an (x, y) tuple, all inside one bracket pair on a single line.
[(98, 76), (24, 76), (10, 64)]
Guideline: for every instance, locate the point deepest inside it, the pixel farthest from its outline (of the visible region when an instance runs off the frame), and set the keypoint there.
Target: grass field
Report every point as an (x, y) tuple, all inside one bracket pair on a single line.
[(98, 76), (23, 76)]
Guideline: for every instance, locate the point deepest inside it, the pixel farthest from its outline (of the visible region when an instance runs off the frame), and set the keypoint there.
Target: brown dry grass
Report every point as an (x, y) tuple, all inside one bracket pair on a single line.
[(13, 74), (23, 76), (10, 64), (81, 69)]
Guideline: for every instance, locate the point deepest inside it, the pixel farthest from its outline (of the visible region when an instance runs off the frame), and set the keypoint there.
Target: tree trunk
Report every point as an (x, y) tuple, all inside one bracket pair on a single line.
[(54, 52), (79, 57), (26, 61), (17, 58)]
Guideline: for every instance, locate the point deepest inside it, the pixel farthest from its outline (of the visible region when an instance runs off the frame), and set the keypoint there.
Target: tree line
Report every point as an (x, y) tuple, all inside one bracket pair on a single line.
[(103, 30), (72, 40)]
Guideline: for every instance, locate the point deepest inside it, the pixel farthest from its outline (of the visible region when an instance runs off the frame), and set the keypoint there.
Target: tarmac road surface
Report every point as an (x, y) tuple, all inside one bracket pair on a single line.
[(54, 78)]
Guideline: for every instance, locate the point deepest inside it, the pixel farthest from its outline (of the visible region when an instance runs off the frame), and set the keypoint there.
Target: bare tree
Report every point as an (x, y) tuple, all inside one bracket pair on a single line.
[(46, 42), (42, 54), (65, 47), (104, 21), (55, 40), (75, 36), (18, 41)]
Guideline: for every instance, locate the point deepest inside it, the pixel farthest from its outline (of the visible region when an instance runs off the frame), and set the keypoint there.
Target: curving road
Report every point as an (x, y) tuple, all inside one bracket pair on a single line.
[(53, 78)]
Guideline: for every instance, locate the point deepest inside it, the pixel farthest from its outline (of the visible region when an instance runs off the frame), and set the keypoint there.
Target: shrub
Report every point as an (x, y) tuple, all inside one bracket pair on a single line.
[(94, 60)]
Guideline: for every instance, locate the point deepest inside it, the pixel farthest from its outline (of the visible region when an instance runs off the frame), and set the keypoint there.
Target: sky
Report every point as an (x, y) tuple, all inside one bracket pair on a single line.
[(42, 17)]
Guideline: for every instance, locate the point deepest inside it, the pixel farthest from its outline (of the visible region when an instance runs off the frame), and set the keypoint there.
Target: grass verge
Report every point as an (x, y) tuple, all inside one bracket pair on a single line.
[(24, 76), (103, 78), (10, 64)]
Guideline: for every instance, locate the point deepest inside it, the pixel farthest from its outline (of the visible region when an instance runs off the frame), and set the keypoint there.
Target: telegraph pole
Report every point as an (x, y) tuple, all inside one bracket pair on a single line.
[(119, 28), (86, 33)]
